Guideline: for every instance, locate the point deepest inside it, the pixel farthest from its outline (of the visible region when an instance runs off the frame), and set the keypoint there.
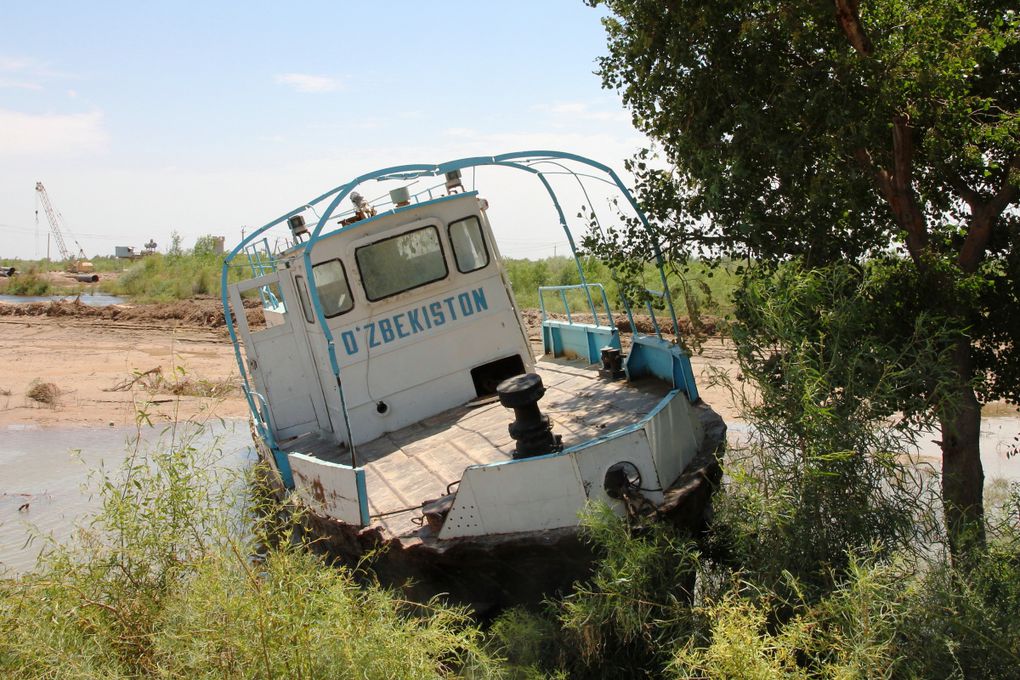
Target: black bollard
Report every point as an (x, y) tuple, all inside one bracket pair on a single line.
[(612, 364), (531, 429)]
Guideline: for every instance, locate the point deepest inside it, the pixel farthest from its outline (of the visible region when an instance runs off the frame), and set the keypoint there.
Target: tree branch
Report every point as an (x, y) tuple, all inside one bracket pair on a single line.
[(969, 195), (983, 218), (897, 186), (849, 18)]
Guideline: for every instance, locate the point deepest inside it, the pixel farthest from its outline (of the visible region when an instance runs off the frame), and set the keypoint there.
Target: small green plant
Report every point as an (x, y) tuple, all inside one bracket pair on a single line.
[(30, 283), (172, 578)]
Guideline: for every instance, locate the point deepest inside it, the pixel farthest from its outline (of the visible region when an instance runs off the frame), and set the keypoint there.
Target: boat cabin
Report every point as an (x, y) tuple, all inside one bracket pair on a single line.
[(420, 313), (395, 391)]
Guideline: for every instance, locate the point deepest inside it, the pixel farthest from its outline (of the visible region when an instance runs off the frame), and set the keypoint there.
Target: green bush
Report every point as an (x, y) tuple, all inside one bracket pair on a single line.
[(29, 283), (165, 582), (824, 557), (164, 278)]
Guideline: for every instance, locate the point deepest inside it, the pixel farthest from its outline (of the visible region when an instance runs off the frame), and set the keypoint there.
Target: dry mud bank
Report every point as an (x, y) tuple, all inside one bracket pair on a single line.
[(72, 365), (87, 353)]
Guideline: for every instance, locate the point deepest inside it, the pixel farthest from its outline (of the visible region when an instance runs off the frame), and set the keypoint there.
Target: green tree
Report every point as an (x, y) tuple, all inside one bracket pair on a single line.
[(838, 131)]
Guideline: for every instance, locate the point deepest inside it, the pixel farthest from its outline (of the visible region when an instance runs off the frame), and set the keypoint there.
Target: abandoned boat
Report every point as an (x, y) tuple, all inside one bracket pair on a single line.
[(396, 397)]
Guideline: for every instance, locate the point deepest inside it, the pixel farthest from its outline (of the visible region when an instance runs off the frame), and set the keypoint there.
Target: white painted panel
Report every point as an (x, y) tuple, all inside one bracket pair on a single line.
[(327, 488), (410, 406), (675, 435), (595, 459), (525, 495), (283, 373)]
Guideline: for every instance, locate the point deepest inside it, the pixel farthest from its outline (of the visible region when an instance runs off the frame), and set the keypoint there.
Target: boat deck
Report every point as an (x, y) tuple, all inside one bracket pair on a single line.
[(420, 462)]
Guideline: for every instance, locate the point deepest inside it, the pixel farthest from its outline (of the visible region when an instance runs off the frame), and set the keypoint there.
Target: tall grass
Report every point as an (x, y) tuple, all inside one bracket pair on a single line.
[(165, 278), (172, 579), (28, 283), (701, 290)]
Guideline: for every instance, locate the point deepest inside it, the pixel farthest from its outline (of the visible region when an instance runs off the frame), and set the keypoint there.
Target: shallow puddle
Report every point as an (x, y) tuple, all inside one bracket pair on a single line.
[(44, 472), (97, 300), (1000, 439)]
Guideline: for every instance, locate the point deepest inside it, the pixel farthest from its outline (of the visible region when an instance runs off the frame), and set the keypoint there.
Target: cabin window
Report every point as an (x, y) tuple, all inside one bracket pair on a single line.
[(331, 284), (306, 305), (469, 249), (400, 263)]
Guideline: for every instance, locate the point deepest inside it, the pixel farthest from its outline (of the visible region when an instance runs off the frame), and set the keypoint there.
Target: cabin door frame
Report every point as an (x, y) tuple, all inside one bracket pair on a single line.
[(280, 362)]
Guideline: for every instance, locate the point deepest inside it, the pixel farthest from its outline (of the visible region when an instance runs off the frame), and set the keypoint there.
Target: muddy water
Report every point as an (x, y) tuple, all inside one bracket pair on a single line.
[(97, 300), (43, 473), (1000, 440)]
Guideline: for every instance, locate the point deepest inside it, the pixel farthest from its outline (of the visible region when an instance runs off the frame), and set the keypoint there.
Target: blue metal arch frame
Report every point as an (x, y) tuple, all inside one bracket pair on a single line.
[(520, 160)]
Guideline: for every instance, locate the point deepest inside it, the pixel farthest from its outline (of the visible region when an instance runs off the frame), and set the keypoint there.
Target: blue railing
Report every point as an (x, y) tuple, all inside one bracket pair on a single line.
[(587, 287), (574, 339), (261, 262), (535, 162)]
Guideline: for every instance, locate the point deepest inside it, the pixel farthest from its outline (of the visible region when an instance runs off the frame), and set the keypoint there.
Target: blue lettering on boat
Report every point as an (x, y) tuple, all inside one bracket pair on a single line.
[(414, 321), (417, 320), (449, 305), (386, 331), (479, 298), (438, 318), (465, 304), (350, 342)]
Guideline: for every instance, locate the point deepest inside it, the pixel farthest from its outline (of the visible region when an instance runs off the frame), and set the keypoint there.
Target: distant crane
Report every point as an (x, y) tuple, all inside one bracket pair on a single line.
[(75, 264)]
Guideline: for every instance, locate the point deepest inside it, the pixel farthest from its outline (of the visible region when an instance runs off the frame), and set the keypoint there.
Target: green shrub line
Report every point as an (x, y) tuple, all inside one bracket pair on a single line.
[(702, 289)]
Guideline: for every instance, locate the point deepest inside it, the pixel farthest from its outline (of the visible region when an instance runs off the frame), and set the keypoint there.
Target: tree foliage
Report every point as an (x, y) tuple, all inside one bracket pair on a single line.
[(837, 131)]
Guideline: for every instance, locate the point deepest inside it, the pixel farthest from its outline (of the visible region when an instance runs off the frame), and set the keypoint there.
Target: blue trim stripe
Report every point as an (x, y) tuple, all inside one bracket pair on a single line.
[(359, 477)]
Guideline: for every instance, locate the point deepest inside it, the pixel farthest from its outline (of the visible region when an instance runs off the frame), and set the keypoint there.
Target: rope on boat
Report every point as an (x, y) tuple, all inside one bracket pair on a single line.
[(395, 512)]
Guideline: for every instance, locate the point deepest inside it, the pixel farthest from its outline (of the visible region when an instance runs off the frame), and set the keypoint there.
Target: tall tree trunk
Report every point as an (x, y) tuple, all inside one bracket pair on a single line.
[(962, 475)]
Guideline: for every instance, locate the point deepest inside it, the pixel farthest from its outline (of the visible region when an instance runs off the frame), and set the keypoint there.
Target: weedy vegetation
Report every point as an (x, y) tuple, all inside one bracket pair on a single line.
[(175, 577), (825, 556), (43, 393)]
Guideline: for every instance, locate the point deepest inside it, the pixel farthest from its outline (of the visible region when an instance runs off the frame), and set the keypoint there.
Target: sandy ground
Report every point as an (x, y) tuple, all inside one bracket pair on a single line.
[(87, 352), (87, 357)]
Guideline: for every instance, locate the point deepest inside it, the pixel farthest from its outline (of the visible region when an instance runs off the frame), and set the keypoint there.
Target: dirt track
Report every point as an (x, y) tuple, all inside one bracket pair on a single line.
[(86, 352)]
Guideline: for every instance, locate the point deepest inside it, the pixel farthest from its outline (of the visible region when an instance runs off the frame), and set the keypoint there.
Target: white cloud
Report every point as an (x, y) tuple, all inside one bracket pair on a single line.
[(25, 73), (304, 82), (13, 64), (19, 84), (48, 133)]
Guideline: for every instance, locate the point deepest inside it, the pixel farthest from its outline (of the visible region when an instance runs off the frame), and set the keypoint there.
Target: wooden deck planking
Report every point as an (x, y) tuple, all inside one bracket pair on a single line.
[(418, 462)]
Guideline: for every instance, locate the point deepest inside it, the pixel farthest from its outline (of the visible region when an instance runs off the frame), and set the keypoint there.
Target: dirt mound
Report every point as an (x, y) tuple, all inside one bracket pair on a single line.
[(206, 313), (709, 325)]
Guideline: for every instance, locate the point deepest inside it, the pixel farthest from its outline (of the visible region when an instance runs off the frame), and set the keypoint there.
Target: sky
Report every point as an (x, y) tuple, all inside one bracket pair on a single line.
[(147, 118)]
